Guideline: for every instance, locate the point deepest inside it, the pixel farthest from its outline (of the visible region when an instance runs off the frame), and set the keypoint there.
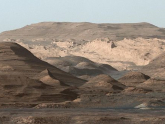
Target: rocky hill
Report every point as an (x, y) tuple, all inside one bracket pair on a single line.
[(19, 70)]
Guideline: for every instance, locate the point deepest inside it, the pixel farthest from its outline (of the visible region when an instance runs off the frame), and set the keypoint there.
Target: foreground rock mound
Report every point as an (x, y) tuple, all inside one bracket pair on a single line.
[(104, 82), (24, 63), (133, 78), (20, 89), (25, 78)]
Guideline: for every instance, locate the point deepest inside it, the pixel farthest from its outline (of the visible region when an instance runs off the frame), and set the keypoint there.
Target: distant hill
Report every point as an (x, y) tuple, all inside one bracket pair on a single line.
[(85, 31)]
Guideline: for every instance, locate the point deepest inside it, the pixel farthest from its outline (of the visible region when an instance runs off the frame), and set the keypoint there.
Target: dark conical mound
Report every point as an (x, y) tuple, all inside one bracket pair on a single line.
[(133, 78), (112, 44), (104, 82)]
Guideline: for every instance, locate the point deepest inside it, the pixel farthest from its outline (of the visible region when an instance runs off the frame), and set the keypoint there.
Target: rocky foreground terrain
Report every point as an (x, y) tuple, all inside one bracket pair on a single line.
[(82, 73), (82, 116)]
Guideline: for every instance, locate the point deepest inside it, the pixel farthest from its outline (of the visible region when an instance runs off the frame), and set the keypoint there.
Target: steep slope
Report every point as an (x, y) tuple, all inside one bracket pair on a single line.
[(25, 78), (86, 31), (20, 61)]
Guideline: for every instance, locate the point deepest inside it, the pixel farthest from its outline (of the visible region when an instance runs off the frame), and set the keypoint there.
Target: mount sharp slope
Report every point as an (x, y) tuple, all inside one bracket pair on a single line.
[(85, 31)]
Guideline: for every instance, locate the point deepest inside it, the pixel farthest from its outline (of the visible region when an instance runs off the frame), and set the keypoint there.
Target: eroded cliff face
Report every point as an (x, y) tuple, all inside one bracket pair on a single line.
[(123, 55), (123, 46)]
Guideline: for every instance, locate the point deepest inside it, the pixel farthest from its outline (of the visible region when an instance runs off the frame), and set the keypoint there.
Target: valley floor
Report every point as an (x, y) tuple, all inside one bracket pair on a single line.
[(82, 116)]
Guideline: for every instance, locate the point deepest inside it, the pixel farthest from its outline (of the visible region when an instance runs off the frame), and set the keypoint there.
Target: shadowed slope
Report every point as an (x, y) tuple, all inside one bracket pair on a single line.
[(80, 66), (17, 84), (47, 77), (24, 63)]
